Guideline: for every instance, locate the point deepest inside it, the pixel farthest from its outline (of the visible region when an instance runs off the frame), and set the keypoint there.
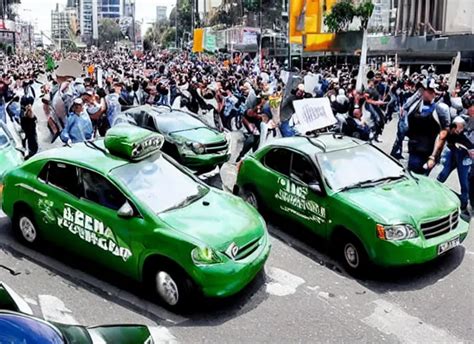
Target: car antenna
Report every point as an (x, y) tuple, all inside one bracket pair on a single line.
[(92, 145)]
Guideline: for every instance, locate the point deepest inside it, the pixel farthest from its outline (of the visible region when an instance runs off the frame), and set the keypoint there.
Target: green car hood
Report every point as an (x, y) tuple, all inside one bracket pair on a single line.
[(217, 220), (9, 158), (202, 135), (406, 201)]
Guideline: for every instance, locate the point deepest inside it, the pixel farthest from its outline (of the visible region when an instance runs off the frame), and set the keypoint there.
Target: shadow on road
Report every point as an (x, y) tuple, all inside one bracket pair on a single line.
[(204, 311), (380, 279)]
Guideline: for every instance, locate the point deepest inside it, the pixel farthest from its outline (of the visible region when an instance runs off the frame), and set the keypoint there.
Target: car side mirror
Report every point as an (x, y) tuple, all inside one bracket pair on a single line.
[(316, 188), (126, 210)]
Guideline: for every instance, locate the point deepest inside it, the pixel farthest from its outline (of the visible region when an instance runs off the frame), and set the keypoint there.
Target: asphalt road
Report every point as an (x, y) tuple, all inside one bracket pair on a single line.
[(302, 296)]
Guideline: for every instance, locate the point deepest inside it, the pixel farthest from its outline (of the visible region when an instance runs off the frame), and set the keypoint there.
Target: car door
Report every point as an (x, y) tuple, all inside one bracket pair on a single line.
[(305, 178), (280, 194), (110, 236), (58, 196)]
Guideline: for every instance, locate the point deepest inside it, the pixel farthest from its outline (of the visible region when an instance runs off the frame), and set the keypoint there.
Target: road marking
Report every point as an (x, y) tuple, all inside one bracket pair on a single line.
[(54, 309), (161, 334), (283, 283), (391, 319)]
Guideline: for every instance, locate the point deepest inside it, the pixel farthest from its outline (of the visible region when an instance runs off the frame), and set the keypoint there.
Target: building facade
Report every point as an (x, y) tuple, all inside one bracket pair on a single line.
[(110, 8), (63, 24), (161, 13)]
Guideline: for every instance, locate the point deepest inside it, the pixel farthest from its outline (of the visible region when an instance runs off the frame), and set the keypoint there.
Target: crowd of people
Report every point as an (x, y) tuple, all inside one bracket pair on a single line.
[(243, 94)]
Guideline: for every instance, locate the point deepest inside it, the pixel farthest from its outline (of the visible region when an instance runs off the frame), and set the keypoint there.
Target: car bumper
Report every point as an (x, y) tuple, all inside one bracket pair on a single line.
[(415, 251), (204, 160), (226, 279)]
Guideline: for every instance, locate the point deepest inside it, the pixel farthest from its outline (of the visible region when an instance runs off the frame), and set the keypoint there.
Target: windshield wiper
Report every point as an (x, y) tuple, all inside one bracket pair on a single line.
[(188, 200), (371, 182), (363, 184), (390, 178)]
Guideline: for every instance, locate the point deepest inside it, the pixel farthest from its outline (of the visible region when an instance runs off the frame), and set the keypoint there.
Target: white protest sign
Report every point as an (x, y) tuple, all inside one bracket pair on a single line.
[(284, 75), (310, 82), (454, 72), (313, 114)]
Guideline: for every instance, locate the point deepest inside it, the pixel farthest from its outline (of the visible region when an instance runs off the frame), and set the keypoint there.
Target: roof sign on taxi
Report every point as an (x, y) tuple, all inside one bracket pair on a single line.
[(132, 143)]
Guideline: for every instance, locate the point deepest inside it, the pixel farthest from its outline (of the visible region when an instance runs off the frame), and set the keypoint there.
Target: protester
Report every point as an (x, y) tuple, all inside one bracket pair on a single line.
[(78, 126)]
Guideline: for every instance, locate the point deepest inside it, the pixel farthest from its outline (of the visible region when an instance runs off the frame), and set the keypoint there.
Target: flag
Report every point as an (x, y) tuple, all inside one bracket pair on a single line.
[(198, 41), (296, 15), (49, 64)]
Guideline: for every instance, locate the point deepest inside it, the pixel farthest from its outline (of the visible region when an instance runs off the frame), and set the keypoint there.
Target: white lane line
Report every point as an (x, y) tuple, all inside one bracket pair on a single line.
[(162, 335), (391, 319), (54, 309), (283, 283)]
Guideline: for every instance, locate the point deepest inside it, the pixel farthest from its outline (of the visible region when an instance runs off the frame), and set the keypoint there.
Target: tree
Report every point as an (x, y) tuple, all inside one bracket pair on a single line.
[(109, 33), (7, 9), (341, 16), (364, 12)]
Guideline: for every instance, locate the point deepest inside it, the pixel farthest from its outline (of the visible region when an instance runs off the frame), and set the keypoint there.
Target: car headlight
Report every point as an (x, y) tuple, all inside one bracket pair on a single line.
[(396, 232), (197, 147), (205, 255)]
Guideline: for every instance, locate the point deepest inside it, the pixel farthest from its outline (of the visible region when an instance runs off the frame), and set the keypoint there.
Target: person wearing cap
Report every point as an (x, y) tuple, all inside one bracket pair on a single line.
[(78, 126), (458, 155), (428, 124)]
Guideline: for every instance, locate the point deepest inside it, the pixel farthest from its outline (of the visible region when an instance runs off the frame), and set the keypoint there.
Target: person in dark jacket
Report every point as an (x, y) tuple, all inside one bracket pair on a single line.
[(28, 125)]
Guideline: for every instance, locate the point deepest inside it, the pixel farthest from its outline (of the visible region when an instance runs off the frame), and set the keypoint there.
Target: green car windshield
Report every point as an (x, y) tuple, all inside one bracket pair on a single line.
[(159, 184), (353, 166)]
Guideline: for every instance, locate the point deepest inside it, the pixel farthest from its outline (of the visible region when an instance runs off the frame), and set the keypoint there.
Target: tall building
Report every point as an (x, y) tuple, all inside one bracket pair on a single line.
[(161, 13), (88, 15), (110, 8), (63, 24), (380, 20)]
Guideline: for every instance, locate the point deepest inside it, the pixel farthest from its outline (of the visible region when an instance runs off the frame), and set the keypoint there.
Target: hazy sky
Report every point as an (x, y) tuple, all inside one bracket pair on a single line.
[(40, 10)]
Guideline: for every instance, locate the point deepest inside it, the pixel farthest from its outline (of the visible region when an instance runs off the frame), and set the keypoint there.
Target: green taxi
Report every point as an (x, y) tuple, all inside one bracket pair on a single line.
[(354, 195), (10, 155), (122, 203), (188, 139)]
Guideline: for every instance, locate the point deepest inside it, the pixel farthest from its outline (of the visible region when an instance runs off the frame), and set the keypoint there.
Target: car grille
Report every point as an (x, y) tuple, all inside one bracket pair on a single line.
[(440, 226), (246, 250), (216, 147)]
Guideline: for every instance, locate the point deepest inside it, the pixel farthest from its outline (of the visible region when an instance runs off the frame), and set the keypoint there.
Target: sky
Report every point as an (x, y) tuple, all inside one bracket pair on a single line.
[(39, 11)]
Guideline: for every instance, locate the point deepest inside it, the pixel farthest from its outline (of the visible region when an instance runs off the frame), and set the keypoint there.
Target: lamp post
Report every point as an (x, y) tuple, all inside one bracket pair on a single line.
[(132, 4)]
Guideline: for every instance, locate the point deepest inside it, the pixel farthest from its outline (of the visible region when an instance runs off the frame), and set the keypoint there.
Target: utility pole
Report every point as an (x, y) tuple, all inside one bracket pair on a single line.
[(132, 3), (176, 26), (260, 57)]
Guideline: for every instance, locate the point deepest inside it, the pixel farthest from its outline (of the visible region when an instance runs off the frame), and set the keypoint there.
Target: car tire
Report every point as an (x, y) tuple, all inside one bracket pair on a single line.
[(25, 226), (353, 255), (171, 286), (251, 197)]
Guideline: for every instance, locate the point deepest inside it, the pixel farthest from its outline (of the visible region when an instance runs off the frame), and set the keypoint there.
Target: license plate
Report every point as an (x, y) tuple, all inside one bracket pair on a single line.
[(446, 246)]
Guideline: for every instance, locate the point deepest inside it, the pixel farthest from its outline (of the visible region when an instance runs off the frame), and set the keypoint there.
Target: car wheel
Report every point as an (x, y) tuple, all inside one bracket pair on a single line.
[(172, 287), (250, 197), (353, 255), (25, 227)]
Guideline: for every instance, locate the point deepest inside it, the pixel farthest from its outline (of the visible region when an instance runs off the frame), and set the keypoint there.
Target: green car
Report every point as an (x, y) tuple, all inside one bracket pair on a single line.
[(10, 155), (354, 195), (188, 139), (122, 203), (18, 325)]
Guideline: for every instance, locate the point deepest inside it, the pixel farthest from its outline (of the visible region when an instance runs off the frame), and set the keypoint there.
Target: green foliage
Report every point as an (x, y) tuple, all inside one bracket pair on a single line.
[(364, 12), (251, 5), (109, 33), (342, 14), (344, 11)]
